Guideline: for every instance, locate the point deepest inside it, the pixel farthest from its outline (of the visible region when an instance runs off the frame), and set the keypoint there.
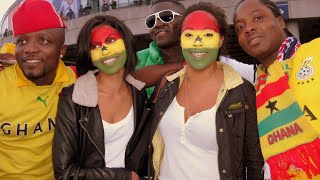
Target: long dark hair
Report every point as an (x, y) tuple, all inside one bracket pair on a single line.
[(84, 62)]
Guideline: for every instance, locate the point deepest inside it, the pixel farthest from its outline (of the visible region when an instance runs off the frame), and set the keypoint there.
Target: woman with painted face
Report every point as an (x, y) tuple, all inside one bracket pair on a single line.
[(99, 119), (204, 116)]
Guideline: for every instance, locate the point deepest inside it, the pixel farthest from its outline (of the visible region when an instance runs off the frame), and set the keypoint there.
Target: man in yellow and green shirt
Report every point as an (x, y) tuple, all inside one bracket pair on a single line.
[(30, 92)]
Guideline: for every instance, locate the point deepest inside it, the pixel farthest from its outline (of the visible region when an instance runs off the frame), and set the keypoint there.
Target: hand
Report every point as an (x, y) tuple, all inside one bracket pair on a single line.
[(6, 56), (134, 176)]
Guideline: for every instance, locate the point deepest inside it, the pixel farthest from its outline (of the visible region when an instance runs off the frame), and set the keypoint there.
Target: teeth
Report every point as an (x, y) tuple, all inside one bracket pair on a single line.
[(33, 61), (199, 54), (108, 61)]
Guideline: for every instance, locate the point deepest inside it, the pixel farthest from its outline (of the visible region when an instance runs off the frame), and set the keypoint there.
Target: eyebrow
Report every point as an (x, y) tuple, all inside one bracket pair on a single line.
[(252, 12), (205, 28)]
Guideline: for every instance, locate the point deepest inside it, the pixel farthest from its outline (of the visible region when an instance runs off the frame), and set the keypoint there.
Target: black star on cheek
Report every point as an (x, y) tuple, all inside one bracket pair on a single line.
[(198, 39), (103, 48), (272, 106)]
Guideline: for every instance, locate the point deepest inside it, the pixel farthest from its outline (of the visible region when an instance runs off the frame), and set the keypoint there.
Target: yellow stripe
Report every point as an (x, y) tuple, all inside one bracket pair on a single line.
[(117, 47), (189, 39)]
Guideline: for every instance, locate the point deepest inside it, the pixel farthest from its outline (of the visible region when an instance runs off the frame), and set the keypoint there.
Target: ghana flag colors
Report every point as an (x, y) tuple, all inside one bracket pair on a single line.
[(289, 141)]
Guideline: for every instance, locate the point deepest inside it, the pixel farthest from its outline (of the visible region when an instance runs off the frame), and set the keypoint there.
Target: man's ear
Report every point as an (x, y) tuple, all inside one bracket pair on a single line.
[(281, 22), (63, 51), (221, 41)]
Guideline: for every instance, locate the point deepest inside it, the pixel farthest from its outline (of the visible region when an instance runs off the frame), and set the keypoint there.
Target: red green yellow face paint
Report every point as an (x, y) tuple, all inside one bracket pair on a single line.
[(200, 39), (108, 51)]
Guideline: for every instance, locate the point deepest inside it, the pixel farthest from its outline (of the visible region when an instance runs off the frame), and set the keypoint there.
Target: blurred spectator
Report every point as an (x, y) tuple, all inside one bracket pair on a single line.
[(81, 11), (6, 33), (87, 10), (114, 4), (70, 14), (105, 6), (137, 2)]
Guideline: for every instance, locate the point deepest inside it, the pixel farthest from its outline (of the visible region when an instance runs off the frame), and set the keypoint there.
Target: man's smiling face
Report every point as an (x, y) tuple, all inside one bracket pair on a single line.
[(165, 34)]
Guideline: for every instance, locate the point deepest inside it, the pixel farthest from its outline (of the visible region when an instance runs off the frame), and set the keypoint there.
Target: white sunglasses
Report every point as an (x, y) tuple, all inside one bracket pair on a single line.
[(166, 16)]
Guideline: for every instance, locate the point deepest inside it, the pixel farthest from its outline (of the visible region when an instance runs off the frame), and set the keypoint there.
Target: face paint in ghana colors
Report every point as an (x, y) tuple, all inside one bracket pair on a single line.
[(108, 52), (200, 39)]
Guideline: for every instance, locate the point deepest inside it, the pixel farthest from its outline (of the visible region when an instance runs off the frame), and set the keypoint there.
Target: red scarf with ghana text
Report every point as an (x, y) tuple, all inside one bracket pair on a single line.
[(289, 143)]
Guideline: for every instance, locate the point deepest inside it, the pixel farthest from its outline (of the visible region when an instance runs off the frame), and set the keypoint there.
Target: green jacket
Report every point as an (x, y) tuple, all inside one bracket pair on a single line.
[(147, 57)]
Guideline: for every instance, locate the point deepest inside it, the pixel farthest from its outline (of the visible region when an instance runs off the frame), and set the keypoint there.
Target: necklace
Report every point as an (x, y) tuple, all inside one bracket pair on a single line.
[(203, 93)]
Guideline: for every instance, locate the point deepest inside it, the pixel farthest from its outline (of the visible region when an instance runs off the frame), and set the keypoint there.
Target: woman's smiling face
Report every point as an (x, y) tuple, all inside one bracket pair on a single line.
[(200, 39), (108, 51)]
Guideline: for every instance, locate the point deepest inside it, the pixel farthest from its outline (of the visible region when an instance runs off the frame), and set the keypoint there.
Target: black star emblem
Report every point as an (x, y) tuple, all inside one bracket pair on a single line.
[(272, 106), (198, 39), (103, 48)]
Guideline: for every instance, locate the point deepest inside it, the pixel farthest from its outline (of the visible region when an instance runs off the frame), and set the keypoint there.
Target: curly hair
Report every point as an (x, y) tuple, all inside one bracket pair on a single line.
[(84, 61)]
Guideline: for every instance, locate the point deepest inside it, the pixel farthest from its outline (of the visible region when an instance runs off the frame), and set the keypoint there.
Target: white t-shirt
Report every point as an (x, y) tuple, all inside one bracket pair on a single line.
[(116, 138), (191, 150), (245, 70)]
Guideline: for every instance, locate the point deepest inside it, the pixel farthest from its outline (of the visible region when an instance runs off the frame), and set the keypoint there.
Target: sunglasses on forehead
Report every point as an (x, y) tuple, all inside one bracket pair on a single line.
[(166, 16)]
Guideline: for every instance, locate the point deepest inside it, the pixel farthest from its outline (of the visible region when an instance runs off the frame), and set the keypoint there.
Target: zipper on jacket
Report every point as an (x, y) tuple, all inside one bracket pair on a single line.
[(86, 119)]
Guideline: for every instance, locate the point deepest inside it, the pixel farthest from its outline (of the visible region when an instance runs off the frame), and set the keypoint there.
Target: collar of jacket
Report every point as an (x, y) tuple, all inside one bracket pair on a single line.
[(231, 78), (85, 91)]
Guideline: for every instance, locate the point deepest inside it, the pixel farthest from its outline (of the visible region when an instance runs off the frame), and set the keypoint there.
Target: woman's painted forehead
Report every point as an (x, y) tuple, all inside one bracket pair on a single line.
[(200, 20), (101, 32)]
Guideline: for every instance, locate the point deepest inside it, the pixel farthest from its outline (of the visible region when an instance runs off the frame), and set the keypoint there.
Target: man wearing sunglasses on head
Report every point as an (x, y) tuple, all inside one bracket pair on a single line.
[(164, 51)]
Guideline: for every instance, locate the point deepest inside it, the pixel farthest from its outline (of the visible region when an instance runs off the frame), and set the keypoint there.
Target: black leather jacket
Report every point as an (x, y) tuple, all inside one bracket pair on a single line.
[(78, 145), (239, 154)]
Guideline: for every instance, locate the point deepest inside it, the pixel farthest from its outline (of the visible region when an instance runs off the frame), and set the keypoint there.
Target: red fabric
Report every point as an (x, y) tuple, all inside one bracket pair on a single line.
[(305, 157), (200, 20), (271, 90), (100, 34), (35, 15), (74, 68)]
